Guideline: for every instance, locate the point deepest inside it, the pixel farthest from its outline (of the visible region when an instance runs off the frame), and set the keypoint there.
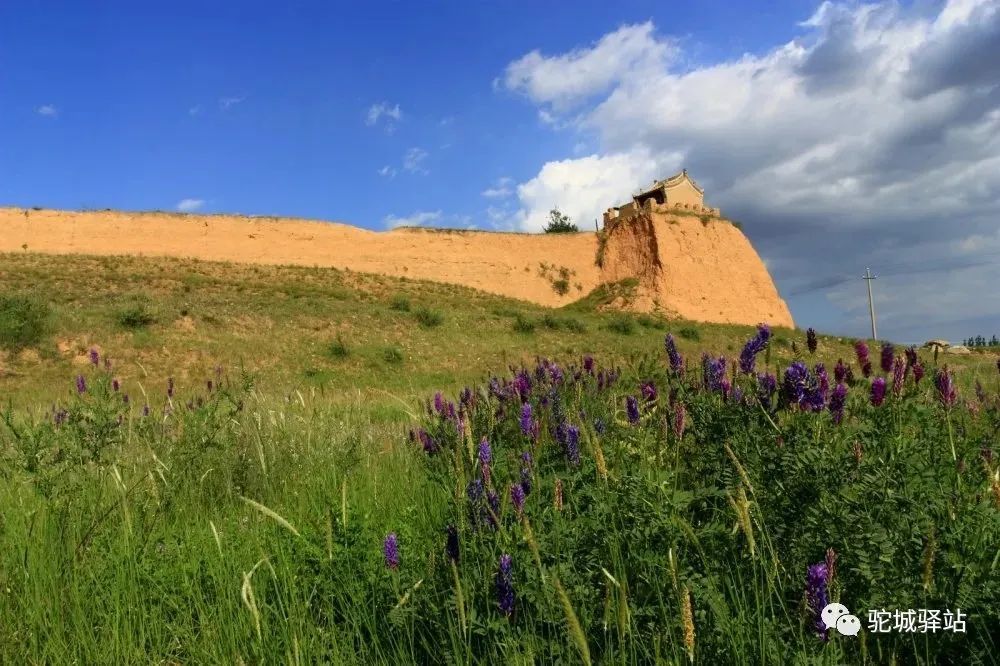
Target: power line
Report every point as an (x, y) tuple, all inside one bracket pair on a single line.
[(868, 277)]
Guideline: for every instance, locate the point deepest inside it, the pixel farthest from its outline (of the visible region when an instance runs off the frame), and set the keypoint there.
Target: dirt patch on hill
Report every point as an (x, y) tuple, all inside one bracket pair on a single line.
[(706, 272)]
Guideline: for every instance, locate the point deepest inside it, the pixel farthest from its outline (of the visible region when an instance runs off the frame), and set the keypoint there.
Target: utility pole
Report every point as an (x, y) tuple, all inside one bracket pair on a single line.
[(868, 277)]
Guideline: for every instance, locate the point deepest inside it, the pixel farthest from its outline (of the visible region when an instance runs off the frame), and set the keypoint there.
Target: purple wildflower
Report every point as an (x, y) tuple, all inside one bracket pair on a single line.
[(95, 358), (210, 385), (811, 341), (822, 382), (898, 375), (753, 347), (493, 511), (145, 410), (676, 360), (767, 385), (526, 480), (713, 372), (796, 384), (505, 585), (599, 426), (438, 402), (945, 383), (81, 384), (632, 409), (918, 373), (391, 551), (878, 391), (888, 354), (816, 595), (588, 364), (526, 420), (451, 543), (678, 422), (648, 390), (573, 445), (517, 497), (427, 441), (861, 349), (837, 401), (911, 356), (170, 387), (115, 385), (485, 453), (840, 371)]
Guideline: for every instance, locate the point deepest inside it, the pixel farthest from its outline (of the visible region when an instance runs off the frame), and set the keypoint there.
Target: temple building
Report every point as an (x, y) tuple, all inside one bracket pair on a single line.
[(677, 192)]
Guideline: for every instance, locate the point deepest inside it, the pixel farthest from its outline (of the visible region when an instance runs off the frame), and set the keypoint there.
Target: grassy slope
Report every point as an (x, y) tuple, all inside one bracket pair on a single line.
[(279, 323)]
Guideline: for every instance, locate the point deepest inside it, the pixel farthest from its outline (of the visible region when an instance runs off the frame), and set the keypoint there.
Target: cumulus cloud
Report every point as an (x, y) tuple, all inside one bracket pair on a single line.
[(189, 205), (48, 110), (877, 129), (382, 110), (417, 219)]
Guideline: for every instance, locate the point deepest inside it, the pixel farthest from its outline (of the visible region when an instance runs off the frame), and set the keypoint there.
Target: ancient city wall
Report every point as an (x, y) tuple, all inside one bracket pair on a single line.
[(686, 268)]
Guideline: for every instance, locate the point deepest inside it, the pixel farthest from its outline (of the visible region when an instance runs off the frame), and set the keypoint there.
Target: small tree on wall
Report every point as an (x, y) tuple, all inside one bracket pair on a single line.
[(559, 223)]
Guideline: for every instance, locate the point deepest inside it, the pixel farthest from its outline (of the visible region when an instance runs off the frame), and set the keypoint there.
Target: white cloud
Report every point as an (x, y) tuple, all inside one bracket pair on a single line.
[(387, 172), (194, 110), (47, 110), (567, 79), (877, 126), (382, 110), (417, 219), (500, 189), (413, 160), (189, 205), (226, 103)]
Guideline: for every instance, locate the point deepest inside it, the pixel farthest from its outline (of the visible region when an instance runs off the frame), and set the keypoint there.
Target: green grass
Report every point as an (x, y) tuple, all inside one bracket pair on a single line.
[(22, 322)]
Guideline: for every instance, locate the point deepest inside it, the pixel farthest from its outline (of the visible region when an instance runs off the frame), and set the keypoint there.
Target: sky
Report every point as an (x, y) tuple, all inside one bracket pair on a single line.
[(840, 135)]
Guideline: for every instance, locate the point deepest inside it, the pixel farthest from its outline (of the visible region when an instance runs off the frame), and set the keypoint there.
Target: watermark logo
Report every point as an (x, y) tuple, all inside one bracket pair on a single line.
[(881, 621)]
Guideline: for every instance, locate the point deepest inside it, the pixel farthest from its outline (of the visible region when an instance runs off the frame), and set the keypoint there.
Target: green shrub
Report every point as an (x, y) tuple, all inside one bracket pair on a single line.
[(338, 348), (647, 321), (560, 286), (400, 303), (22, 322), (622, 324), (523, 325), (554, 323), (689, 333), (135, 313), (392, 355), (428, 318)]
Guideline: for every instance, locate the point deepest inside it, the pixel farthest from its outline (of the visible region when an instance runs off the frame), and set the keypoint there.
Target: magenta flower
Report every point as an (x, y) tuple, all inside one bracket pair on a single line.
[(878, 391), (391, 551), (945, 383), (898, 375), (861, 349), (95, 358), (679, 417), (837, 401), (115, 385), (918, 373), (81, 384), (888, 353)]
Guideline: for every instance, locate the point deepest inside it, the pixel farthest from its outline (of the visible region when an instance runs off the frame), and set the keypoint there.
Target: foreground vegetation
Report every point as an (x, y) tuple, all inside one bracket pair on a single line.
[(658, 513)]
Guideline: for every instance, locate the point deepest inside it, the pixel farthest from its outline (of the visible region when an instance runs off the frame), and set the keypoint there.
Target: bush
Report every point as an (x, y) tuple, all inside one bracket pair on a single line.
[(560, 286), (338, 348), (523, 325), (555, 323), (622, 324), (22, 322), (400, 303), (559, 223), (689, 333), (135, 313), (392, 355), (428, 318)]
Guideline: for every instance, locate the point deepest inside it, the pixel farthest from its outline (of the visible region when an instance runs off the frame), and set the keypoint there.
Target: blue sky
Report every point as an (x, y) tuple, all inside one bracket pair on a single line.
[(486, 114)]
